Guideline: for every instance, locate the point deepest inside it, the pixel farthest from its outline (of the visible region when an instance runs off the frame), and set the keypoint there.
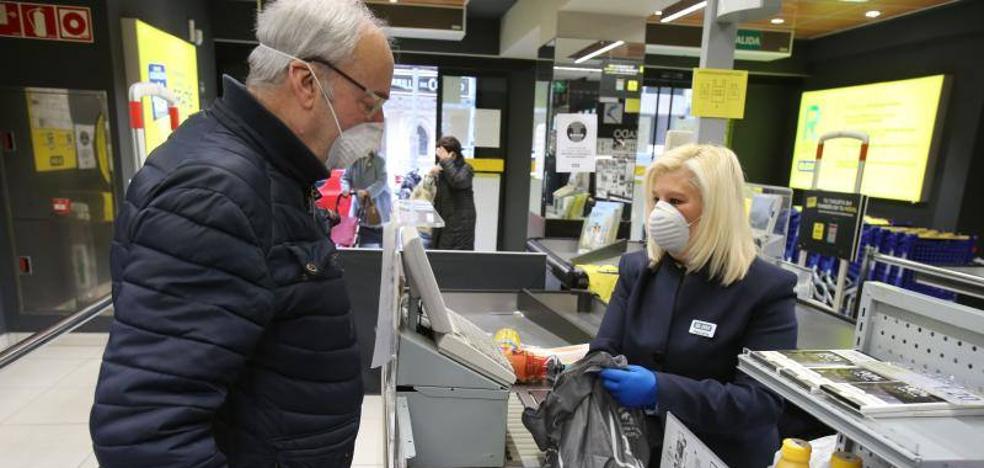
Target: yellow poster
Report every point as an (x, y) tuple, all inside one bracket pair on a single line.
[(172, 62), (899, 118), (719, 93), (54, 149), (817, 231)]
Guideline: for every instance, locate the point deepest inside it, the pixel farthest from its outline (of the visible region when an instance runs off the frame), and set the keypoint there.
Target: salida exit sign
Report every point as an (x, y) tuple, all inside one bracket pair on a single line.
[(45, 22)]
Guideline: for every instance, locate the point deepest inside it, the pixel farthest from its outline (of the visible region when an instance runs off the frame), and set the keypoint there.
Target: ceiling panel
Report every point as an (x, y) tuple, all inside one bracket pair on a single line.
[(814, 18)]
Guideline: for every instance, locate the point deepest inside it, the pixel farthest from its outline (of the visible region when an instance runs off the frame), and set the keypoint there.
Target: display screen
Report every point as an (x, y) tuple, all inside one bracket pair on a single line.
[(158, 57), (900, 118)]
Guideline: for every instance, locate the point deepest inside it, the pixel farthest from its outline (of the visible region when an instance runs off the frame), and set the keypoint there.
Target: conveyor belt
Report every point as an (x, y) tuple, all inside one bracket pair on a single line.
[(521, 450)]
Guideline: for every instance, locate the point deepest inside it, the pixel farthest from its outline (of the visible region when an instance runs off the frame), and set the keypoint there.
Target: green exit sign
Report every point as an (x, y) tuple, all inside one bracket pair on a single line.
[(749, 40)]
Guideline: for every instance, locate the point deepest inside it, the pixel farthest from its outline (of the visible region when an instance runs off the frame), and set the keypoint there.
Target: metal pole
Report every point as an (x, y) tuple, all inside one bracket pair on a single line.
[(957, 276), (842, 267), (61, 327), (866, 265), (717, 50)]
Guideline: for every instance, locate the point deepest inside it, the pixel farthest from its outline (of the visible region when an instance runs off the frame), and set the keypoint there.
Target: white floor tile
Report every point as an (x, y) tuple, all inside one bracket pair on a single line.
[(56, 406), (38, 373), (14, 399), (59, 351), (82, 339), (59, 446), (86, 375), (90, 462), (369, 443)]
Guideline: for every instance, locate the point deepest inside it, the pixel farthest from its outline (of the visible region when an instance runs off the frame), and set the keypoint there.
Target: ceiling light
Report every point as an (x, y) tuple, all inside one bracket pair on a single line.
[(600, 51), (684, 12), (777, 21), (394, 1), (658, 13), (872, 13), (578, 69)]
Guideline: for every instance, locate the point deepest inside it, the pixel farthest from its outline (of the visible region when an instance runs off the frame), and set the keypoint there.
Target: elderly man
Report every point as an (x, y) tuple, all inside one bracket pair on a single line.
[(232, 343)]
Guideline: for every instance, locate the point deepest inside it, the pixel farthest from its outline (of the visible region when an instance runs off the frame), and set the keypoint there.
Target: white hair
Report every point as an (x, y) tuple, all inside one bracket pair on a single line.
[(326, 29)]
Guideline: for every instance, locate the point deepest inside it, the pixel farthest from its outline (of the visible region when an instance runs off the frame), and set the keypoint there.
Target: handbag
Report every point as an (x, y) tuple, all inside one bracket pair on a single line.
[(369, 211), (346, 232)]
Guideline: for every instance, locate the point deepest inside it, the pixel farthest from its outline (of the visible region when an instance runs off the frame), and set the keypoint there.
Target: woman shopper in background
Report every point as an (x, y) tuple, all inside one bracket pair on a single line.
[(454, 200), (365, 179), (684, 308)]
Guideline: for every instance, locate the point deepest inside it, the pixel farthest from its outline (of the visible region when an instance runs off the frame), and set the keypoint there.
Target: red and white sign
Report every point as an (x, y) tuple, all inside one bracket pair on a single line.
[(38, 21), (74, 24), (61, 206), (10, 22), (47, 22)]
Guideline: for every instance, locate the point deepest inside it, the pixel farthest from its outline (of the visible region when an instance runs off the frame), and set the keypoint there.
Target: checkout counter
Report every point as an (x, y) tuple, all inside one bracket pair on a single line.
[(451, 406)]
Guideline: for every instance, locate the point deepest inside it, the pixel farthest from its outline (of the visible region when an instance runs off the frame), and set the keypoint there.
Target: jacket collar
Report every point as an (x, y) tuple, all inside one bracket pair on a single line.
[(242, 113)]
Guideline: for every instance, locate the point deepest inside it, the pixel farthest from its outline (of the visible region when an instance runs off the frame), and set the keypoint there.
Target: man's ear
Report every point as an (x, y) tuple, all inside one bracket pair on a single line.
[(302, 84)]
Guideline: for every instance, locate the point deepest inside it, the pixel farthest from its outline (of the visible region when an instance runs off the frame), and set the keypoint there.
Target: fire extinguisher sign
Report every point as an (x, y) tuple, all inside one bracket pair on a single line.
[(45, 22)]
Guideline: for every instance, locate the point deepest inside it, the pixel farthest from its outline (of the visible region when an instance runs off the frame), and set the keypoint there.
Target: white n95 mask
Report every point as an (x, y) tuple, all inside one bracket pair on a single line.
[(352, 144), (668, 228)]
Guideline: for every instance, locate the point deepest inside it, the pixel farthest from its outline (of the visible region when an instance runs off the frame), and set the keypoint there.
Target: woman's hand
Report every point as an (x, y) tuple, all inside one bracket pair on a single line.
[(434, 171), (632, 387)]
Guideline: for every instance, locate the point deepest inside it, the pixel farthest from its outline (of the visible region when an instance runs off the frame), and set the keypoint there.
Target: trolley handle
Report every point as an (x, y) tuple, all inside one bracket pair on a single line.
[(862, 156)]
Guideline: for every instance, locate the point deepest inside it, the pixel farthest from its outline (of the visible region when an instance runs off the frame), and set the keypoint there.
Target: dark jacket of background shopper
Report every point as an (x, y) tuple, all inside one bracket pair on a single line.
[(454, 201), (232, 342)]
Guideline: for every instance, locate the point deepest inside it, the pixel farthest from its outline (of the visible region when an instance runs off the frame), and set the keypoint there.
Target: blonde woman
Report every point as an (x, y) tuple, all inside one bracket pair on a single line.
[(683, 309)]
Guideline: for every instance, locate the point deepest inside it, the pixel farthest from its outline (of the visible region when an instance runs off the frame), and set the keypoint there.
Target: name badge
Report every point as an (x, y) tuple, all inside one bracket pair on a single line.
[(702, 328)]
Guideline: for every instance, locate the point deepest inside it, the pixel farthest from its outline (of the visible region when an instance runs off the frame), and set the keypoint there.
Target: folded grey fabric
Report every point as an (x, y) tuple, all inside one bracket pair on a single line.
[(579, 424)]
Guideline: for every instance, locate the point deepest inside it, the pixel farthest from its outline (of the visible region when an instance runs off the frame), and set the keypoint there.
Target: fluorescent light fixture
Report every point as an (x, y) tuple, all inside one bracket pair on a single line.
[(578, 69), (777, 21), (394, 1), (600, 51), (684, 12), (658, 12), (872, 13)]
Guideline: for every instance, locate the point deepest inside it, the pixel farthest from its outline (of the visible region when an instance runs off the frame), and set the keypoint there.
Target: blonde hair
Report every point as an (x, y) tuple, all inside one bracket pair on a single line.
[(722, 241)]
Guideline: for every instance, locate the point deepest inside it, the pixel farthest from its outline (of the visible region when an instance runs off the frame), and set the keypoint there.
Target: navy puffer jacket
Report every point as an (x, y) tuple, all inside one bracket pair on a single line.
[(232, 342)]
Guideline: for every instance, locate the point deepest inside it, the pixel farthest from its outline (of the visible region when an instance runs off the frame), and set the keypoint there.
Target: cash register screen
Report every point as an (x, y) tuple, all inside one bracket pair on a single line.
[(764, 212), (418, 271)]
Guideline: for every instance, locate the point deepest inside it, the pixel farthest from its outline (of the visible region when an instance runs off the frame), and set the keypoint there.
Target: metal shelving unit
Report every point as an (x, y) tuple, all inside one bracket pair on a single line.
[(920, 332)]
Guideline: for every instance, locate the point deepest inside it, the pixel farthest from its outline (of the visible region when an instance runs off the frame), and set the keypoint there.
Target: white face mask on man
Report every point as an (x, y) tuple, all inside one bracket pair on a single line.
[(668, 228), (352, 144)]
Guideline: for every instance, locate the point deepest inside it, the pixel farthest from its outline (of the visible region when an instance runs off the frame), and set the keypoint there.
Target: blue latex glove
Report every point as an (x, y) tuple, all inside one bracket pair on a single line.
[(632, 387)]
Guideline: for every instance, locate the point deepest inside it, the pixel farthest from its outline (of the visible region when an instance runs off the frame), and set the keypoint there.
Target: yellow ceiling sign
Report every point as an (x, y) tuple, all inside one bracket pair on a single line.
[(719, 93)]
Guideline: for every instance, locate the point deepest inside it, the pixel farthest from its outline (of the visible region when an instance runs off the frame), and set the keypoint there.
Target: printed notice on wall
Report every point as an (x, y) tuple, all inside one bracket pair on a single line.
[(52, 131), (719, 93), (84, 135), (577, 142)]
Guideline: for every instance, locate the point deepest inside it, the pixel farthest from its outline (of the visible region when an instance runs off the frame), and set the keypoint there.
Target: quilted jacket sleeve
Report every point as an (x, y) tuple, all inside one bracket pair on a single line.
[(192, 295)]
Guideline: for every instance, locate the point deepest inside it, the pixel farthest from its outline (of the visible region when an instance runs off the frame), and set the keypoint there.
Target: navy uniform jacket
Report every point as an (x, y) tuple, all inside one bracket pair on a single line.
[(697, 377)]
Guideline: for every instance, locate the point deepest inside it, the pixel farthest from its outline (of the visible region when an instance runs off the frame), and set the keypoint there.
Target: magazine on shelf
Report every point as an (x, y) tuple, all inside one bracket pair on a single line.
[(601, 226), (870, 386)]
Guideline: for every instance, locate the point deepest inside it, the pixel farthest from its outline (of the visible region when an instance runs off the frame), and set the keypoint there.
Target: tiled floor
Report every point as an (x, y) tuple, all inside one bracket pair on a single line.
[(45, 399)]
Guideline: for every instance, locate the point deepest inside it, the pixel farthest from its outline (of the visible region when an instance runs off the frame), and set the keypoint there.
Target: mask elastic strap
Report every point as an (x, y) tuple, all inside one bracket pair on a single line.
[(314, 75)]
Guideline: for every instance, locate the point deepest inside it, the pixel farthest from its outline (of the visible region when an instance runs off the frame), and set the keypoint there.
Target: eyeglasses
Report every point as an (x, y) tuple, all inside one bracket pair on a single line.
[(377, 100)]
